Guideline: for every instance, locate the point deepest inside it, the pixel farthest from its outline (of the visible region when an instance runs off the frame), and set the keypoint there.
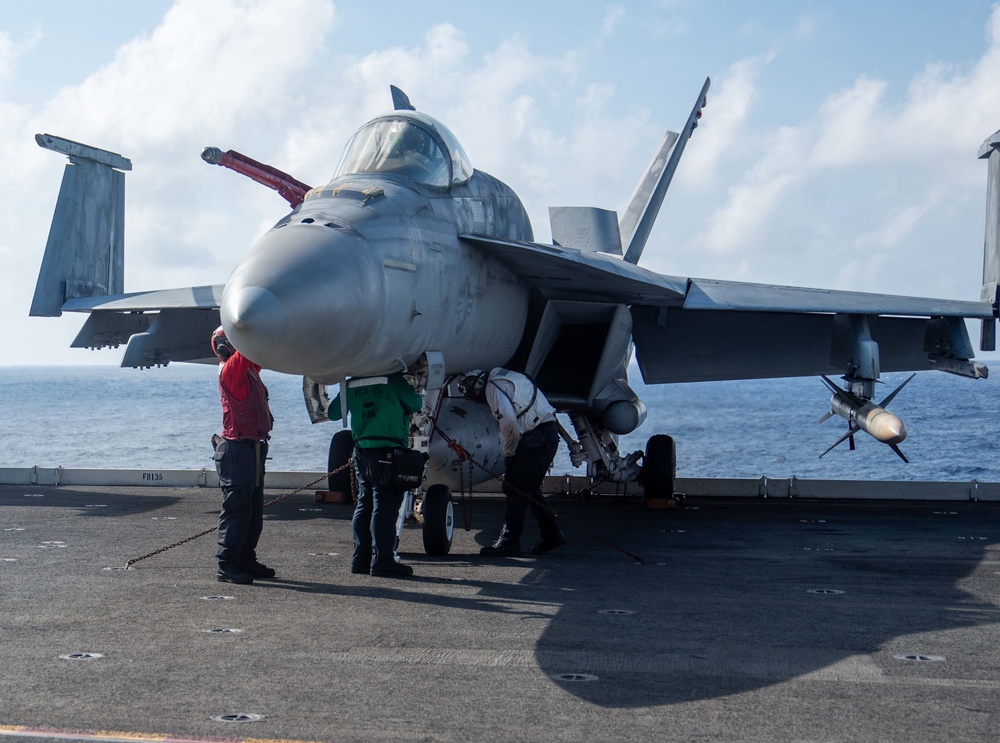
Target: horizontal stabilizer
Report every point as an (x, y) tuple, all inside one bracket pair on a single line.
[(191, 297)]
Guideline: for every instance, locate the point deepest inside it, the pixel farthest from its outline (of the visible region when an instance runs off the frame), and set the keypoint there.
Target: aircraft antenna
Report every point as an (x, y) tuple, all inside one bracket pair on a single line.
[(400, 101)]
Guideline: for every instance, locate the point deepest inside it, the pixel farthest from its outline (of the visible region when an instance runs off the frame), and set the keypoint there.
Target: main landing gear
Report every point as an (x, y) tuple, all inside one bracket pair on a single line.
[(658, 475)]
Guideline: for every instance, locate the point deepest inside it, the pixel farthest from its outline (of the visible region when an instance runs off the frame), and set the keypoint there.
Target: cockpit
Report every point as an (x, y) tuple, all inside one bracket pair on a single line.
[(410, 144)]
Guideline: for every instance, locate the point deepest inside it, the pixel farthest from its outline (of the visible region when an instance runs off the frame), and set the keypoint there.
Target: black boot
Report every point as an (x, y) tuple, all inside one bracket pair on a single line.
[(549, 543), (503, 547), (258, 570), (230, 574), (391, 570)]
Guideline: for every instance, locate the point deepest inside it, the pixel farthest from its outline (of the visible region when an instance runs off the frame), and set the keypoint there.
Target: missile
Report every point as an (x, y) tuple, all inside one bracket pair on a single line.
[(862, 415)]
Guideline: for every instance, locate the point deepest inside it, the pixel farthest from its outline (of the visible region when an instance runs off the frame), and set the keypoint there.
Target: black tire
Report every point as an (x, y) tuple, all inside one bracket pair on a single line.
[(439, 520), (659, 467), (341, 448)]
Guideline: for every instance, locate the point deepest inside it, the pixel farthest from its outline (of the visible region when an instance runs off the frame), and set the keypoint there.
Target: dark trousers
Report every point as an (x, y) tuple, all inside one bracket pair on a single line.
[(240, 465), (522, 482), (375, 515)]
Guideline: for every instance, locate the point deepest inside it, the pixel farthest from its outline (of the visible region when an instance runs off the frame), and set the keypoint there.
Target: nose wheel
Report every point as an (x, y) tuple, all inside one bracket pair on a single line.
[(438, 515)]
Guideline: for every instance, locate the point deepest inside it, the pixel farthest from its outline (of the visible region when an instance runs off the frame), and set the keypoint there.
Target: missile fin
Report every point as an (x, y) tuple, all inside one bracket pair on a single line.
[(825, 417), (896, 449), (850, 434), (895, 392), (830, 384)]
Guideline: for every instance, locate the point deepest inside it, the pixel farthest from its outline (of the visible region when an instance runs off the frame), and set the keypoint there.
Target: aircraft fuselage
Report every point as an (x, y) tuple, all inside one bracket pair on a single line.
[(369, 273)]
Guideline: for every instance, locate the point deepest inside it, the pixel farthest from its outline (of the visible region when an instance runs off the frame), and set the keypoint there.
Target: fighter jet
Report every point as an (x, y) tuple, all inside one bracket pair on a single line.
[(412, 259)]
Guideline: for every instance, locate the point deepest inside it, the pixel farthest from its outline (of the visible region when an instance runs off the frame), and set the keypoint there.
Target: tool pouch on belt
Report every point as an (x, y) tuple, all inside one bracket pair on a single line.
[(407, 467)]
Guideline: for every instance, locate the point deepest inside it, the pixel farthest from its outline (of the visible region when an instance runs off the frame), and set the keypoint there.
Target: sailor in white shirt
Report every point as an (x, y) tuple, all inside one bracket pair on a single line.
[(531, 438)]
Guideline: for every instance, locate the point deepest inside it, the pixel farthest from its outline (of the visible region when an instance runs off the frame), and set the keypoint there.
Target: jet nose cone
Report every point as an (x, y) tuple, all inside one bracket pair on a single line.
[(305, 300), (254, 309)]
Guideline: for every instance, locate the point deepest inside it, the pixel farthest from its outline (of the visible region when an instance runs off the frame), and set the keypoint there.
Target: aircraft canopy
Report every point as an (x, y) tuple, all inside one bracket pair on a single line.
[(407, 143)]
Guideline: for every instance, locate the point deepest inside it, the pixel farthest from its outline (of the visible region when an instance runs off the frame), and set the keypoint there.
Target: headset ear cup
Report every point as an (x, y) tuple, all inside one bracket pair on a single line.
[(480, 384), (221, 345)]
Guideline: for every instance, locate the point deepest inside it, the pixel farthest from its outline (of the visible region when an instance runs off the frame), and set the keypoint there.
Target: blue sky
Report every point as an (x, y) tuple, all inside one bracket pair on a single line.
[(838, 148)]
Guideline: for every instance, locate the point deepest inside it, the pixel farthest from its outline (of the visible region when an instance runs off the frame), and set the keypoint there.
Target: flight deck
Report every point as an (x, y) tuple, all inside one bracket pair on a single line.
[(746, 618)]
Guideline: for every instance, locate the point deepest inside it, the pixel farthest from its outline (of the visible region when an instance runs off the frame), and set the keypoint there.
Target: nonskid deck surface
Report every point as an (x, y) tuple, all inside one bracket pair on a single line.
[(758, 620)]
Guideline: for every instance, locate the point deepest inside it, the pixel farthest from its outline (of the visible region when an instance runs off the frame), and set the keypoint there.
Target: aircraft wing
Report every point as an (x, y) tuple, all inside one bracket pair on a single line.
[(734, 330), (688, 330), (158, 326), (582, 274), (710, 294), (568, 273)]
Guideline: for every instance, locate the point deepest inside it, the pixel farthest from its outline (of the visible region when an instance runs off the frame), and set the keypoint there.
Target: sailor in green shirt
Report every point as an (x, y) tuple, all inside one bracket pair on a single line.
[(380, 410)]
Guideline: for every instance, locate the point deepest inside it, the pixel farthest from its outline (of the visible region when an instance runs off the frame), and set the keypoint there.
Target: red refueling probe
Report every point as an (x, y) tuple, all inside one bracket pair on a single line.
[(291, 190)]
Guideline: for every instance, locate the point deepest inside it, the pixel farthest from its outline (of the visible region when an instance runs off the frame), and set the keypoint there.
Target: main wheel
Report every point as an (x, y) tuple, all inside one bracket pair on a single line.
[(341, 447), (659, 467), (439, 520)]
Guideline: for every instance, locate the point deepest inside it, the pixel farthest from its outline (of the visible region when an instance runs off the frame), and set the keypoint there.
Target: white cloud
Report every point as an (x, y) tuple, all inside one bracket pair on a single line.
[(931, 137), (751, 201), (7, 55), (849, 127), (207, 66), (612, 17), (723, 128), (896, 227), (11, 49)]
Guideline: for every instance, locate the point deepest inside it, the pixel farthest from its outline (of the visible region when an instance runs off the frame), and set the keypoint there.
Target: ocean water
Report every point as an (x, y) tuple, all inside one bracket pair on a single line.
[(107, 417)]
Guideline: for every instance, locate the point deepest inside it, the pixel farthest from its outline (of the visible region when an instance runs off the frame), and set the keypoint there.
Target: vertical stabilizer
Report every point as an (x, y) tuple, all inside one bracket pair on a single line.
[(991, 245), (637, 222), (85, 252)]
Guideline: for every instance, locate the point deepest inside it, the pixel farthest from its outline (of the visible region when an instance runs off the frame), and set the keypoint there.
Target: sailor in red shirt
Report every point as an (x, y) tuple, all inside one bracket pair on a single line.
[(239, 460)]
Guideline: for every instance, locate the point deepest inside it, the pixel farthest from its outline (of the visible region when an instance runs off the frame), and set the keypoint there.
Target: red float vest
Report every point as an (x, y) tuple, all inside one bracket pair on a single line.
[(246, 419)]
